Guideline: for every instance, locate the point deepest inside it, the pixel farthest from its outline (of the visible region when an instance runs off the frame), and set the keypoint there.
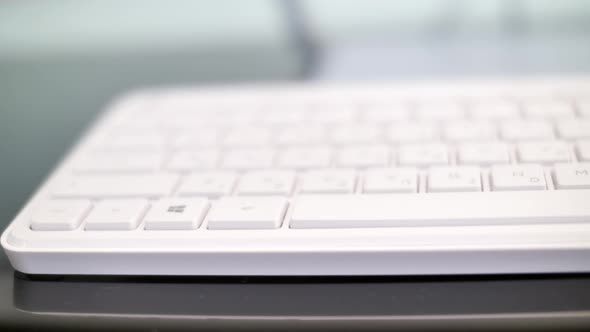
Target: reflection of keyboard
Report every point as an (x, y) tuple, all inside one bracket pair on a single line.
[(321, 180)]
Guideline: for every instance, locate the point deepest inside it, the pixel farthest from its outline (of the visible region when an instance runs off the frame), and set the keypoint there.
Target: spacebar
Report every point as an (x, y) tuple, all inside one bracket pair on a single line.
[(440, 209)]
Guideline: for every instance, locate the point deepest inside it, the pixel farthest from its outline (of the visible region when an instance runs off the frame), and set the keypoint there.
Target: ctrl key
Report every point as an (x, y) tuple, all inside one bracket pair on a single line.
[(59, 215)]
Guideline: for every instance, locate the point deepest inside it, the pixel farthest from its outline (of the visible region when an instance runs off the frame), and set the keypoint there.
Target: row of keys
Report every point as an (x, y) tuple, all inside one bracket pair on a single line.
[(165, 214), (316, 211), (285, 183), (410, 132), (176, 115), (418, 155)]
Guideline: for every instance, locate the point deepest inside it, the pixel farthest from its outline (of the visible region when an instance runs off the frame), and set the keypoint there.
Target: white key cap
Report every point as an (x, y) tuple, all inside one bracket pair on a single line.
[(198, 137), (572, 176), (117, 162), (304, 135), (115, 186), (277, 115), (574, 129), (59, 215), (547, 110), (583, 108), (121, 214), (412, 132), (337, 114), (543, 152), (231, 117), (246, 137), (518, 177), (444, 209), (246, 159), (383, 113), (391, 180), (494, 111), (363, 156), (440, 111), (183, 161), (354, 134), (303, 158), (484, 154), (128, 142), (339, 181), (176, 214), (247, 213), (208, 184), (583, 150), (449, 179), (267, 183), (469, 131), (520, 131), (423, 155)]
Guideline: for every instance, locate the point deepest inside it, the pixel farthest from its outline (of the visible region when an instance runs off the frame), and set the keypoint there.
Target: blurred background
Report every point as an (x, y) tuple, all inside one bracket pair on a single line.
[(62, 60)]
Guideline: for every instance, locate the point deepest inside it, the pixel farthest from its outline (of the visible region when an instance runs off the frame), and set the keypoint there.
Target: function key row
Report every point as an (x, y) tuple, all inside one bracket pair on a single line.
[(361, 156), (337, 181), (312, 134), (293, 113)]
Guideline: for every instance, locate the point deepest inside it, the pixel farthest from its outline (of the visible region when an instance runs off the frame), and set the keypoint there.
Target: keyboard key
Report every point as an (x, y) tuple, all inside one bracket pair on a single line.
[(583, 108), (339, 181), (483, 154), (115, 186), (469, 131), (543, 152), (444, 209), (246, 159), (128, 142), (267, 183), (279, 116), (412, 133), (247, 137), (391, 180), (176, 214), (521, 131), (354, 134), (200, 159), (572, 176), (247, 213), (304, 158), (208, 184), (574, 129), (107, 162), (196, 138), (583, 150), (423, 155), (110, 215), (548, 110), (337, 114), (494, 111), (363, 156), (449, 179), (304, 135), (384, 113), (59, 215), (518, 177), (440, 111)]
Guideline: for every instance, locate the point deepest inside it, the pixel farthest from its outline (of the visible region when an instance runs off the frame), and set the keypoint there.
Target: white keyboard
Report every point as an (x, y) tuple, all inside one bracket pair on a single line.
[(390, 179)]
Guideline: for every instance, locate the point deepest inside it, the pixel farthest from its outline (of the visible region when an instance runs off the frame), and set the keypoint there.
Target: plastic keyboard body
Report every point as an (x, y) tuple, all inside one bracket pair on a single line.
[(388, 179)]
